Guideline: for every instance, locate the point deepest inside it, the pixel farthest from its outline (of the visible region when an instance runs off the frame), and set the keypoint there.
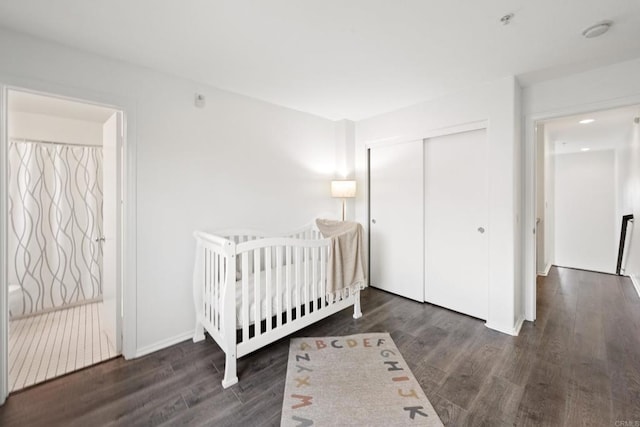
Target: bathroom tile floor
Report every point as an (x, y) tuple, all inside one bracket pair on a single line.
[(51, 344)]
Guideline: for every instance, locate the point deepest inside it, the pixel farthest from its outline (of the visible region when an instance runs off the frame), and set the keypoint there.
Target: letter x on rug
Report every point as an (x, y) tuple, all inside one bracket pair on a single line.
[(359, 380)]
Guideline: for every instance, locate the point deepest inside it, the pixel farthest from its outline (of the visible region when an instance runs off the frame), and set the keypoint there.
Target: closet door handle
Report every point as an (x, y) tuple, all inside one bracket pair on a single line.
[(373, 221), (481, 230)]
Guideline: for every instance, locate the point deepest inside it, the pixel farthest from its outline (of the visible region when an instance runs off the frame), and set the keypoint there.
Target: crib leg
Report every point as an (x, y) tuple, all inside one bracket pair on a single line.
[(198, 334), (230, 371), (356, 306)]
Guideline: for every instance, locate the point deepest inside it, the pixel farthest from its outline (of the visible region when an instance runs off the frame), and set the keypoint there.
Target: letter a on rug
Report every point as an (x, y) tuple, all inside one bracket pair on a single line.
[(359, 380)]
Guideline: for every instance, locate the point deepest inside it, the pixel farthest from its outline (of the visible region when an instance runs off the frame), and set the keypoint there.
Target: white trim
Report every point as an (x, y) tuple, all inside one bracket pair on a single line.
[(518, 326), (547, 268), (431, 133), (4, 288), (143, 351), (635, 279), (129, 226), (529, 240), (509, 330)]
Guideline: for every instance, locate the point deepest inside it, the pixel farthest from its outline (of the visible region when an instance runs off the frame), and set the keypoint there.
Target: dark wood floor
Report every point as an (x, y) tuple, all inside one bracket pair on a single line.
[(578, 364)]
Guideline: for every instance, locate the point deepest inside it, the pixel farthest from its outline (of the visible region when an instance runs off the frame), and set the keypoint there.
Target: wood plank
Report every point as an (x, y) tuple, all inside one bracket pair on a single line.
[(589, 393), (545, 396), (496, 404), (450, 414), (469, 374)]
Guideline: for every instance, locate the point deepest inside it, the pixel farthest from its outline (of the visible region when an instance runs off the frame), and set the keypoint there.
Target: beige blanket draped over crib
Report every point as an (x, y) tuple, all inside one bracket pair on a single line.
[(347, 265)]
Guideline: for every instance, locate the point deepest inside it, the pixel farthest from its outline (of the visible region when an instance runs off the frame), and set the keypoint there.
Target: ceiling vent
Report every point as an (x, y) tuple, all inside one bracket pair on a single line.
[(597, 30)]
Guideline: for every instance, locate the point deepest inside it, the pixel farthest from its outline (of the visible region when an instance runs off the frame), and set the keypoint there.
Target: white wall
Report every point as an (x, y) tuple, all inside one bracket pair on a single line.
[(345, 152), (236, 162), (598, 89), (585, 211), (41, 127), (494, 102)]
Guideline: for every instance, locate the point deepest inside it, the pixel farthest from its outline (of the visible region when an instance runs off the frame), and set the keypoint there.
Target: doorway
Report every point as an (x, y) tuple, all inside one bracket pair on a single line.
[(584, 185), (64, 235)]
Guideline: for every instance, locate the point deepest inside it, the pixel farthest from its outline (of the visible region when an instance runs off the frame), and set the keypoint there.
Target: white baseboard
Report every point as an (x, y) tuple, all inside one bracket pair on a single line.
[(635, 279), (518, 326), (163, 344), (514, 330), (546, 270)]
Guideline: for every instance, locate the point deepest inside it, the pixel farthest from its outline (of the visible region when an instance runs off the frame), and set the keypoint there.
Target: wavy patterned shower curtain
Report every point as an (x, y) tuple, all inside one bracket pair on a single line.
[(55, 217)]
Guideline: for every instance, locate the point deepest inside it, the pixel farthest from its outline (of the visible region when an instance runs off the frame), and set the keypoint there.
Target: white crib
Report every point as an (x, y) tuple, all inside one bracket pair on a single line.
[(250, 289)]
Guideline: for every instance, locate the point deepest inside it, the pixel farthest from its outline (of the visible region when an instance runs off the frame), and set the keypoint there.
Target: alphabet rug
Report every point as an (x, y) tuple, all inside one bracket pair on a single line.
[(359, 380)]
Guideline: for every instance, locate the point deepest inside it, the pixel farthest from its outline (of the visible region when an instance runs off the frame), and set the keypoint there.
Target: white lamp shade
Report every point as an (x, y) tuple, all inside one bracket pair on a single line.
[(343, 188)]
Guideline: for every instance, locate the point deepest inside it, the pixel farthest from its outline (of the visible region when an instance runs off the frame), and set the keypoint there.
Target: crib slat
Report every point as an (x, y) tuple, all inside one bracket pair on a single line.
[(307, 285), (222, 274), (268, 294), (213, 302), (314, 279), (205, 288), (323, 275), (288, 268), (256, 293), (212, 278), (297, 280), (245, 296), (279, 285)]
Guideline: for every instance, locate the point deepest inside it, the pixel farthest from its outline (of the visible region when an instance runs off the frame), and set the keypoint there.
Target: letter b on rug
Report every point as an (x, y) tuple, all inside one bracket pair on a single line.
[(373, 385)]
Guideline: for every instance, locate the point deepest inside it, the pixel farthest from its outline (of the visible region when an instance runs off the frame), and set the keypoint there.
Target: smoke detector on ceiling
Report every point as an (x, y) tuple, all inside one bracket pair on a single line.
[(597, 29)]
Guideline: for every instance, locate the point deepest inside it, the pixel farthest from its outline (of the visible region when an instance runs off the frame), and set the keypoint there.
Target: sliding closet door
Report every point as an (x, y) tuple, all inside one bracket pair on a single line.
[(396, 196), (456, 213)]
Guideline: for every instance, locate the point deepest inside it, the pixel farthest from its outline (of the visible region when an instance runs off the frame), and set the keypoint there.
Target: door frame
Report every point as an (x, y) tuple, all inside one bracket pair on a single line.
[(127, 237), (530, 188)]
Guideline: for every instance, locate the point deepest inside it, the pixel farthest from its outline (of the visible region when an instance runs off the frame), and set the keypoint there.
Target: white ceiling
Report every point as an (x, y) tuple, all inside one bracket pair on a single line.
[(337, 58), (611, 129), (24, 102)]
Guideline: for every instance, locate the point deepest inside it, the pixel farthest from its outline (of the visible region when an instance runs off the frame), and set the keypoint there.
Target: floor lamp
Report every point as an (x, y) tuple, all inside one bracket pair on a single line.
[(343, 189)]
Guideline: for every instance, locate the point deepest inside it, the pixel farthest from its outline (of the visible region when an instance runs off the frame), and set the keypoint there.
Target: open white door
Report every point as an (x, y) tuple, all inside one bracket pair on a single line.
[(456, 215), (4, 285), (396, 241), (112, 229)]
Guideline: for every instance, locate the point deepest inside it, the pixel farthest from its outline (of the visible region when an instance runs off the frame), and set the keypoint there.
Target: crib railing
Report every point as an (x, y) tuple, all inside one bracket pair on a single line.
[(292, 276), (251, 290), (281, 279), (215, 264)]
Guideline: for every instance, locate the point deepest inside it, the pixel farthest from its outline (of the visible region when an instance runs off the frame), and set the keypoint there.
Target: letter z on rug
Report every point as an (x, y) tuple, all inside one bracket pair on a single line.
[(354, 380)]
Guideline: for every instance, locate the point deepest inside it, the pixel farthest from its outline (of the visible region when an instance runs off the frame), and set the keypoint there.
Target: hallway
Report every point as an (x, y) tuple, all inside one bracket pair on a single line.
[(587, 350)]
